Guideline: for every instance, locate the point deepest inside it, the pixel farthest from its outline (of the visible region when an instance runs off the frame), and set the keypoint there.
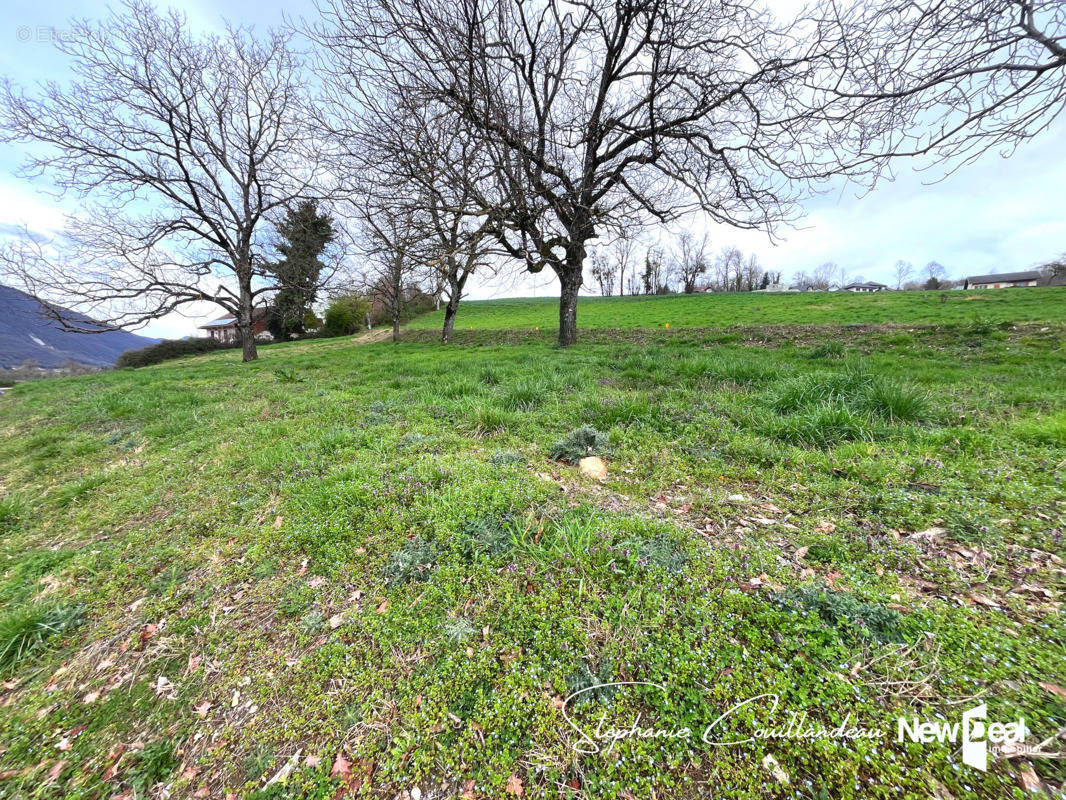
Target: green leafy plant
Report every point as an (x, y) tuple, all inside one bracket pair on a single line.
[(414, 561), (579, 443)]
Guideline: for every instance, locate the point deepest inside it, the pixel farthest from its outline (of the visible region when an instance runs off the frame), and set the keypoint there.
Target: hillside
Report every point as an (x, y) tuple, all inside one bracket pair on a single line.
[(25, 335), (375, 570), (1042, 304)]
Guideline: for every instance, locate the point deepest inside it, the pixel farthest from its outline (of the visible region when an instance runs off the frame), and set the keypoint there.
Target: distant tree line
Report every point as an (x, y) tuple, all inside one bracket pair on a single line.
[(453, 137)]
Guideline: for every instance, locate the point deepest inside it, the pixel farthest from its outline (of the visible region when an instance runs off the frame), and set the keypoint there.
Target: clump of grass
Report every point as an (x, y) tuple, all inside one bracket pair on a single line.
[(12, 513), (414, 561), (26, 629), (626, 410), (579, 443), (824, 426), (525, 395), (488, 419), (857, 389), (851, 616), (831, 348)]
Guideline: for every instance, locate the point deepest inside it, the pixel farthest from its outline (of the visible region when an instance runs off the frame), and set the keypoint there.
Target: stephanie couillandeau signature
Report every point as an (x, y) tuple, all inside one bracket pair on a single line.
[(604, 737)]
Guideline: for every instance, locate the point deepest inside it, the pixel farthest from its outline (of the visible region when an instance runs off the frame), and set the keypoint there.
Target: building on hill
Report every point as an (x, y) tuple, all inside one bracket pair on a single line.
[(224, 329), (1007, 280), (865, 286)]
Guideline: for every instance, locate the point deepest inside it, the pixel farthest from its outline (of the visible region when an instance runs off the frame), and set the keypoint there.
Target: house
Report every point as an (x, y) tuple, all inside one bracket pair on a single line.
[(224, 329), (866, 286), (1007, 280)]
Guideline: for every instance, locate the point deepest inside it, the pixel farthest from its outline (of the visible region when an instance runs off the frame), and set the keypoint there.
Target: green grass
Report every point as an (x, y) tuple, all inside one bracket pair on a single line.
[(373, 552), (1038, 304)]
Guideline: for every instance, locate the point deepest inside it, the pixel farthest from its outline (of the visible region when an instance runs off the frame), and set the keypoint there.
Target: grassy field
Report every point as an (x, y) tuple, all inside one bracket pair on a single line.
[(374, 570), (807, 308)]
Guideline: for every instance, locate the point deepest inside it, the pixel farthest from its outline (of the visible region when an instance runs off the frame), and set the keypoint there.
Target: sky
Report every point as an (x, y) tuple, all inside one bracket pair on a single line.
[(998, 215)]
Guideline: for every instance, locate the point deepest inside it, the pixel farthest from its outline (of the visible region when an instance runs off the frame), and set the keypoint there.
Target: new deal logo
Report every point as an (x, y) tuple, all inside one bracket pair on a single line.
[(973, 733)]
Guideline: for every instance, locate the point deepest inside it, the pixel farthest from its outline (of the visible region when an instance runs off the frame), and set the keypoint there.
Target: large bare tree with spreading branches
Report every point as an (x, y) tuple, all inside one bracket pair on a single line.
[(181, 150), (940, 79), (598, 114)]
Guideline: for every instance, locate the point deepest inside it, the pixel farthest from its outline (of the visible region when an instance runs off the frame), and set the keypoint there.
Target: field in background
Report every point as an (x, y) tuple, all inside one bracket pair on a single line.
[(364, 568), (1042, 304)]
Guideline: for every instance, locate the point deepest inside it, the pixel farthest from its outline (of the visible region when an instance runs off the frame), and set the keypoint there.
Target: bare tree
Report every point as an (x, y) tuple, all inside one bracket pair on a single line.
[(947, 80), (182, 150), (603, 270), (623, 251), (753, 273), (400, 146), (600, 114), (903, 271), (728, 265), (691, 259), (392, 236), (822, 277), (935, 274)]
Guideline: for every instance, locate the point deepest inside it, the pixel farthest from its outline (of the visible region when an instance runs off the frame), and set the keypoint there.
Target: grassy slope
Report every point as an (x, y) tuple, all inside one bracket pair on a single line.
[(367, 551), (706, 310)]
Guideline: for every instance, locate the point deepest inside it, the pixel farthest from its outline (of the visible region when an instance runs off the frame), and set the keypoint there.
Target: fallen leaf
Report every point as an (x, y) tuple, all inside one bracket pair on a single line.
[(1028, 780), (336, 621), (312, 761), (202, 709), (383, 607), (514, 786), (1056, 690), (468, 790), (277, 521), (90, 697), (55, 771), (112, 762), (148, 632), (825, 526), (342, 767), (799, 554), (982, 599)]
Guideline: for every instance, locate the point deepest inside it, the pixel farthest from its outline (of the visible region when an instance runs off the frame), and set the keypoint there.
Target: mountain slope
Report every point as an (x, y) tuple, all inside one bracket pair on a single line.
[(25, 334)]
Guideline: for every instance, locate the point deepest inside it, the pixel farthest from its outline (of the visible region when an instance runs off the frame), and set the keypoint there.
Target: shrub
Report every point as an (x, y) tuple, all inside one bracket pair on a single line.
[(581, 442), (170, 349), (26, 629), (346, 315)]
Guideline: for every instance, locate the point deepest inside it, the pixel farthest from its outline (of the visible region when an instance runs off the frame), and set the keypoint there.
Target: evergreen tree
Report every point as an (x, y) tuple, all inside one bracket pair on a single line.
[(304, 233)]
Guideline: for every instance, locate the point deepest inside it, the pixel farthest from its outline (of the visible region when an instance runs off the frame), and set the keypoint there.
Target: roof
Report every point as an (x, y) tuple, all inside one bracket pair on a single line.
[(221, 322), (229, 320), (1030, 275), (866, 285)]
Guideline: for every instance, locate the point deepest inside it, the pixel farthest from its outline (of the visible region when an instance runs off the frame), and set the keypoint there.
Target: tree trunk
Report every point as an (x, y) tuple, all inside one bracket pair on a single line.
[(244, 318), (450, 310), (396, 323), (569, 285), (455, 293)]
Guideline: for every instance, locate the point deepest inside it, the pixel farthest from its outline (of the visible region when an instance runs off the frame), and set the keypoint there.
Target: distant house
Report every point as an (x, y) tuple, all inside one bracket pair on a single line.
[(1007, 280), (865, 286), (224, 329)]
